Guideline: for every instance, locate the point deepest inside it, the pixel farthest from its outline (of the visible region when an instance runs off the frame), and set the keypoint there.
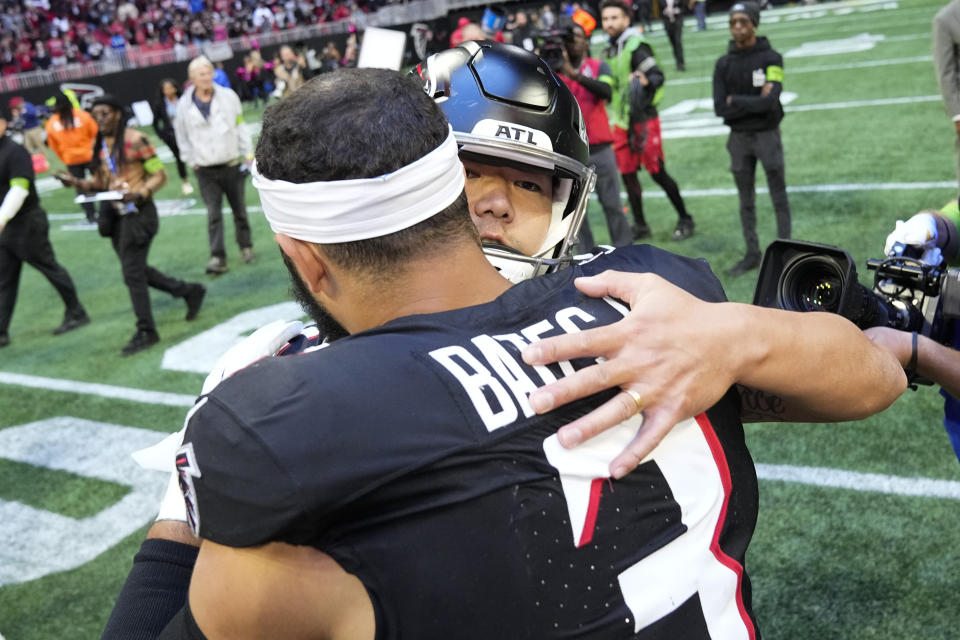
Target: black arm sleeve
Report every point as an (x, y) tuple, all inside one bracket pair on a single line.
[(598, 88), (643, 60), (183, 627), (156, 588)]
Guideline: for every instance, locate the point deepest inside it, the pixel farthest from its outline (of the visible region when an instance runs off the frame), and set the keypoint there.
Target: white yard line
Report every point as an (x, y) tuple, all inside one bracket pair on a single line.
[(866, 482), (820, 68), (811, 188), (95, 389)]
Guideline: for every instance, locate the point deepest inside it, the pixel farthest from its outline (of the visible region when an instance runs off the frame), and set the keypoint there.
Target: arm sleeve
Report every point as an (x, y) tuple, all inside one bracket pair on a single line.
[(155, 590), (945, 60), (597, 87), (13, 201)]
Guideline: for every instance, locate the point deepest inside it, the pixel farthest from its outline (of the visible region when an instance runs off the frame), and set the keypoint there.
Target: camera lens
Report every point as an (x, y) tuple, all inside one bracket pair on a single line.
[(811, 283)]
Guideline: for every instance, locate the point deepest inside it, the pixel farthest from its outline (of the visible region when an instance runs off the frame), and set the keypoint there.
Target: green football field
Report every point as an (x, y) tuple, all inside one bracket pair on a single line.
[(859, 530)]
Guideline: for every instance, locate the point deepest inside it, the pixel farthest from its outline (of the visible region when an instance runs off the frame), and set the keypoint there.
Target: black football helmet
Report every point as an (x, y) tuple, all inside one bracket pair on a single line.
[(507, 106)]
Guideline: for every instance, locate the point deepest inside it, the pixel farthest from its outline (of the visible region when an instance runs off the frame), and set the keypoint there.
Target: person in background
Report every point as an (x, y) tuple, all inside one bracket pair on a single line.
[(699, 8), (126, 162), (747, 82), (637, 88), (213, 140), (164, 115), (26, 118), (70, 134), (25, 237), (287, 69), (946, 58), (589, 79), (672, 13)]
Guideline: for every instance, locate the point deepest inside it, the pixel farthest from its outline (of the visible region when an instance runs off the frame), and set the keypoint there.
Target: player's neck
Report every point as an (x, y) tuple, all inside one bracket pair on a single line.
[(457, 278)]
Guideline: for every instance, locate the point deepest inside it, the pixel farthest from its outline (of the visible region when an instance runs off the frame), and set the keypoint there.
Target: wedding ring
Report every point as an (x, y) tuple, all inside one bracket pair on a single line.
[(637, 399)]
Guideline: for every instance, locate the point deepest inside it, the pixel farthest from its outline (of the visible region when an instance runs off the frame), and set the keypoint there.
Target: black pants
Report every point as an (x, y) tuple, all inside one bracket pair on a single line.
[(131, 238), (80, 171), (745, 148), (171, 141), (674, 29), (28, 240), (215, 182)]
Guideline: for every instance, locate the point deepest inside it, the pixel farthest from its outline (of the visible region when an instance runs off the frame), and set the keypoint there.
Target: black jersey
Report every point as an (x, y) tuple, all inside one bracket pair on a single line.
[(410, 455)]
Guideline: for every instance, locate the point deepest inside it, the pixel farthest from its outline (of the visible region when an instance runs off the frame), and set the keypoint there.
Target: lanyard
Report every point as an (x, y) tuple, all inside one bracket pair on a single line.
[(111, 162)]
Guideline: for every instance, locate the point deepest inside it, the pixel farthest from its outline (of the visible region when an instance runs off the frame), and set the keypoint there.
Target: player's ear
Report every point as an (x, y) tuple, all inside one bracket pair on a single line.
[(309, 261)]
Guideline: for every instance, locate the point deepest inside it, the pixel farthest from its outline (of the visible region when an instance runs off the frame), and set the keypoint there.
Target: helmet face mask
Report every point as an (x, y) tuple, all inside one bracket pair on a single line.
[(507, 107)]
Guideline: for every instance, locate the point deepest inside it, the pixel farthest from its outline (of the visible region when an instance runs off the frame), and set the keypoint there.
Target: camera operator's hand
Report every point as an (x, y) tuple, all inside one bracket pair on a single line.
[(566, 69), (919, 232), (934, 361)]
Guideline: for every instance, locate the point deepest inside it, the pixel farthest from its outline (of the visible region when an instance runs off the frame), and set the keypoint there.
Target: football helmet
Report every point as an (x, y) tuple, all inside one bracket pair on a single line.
[(507, 107)]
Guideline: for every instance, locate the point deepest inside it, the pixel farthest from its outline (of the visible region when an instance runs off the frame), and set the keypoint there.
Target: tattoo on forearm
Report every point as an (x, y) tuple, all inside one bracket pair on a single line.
[(754, 402)]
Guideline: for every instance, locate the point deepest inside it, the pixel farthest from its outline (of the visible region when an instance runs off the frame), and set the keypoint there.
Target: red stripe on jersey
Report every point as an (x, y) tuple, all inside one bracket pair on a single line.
[(721, 459), (590, 522)]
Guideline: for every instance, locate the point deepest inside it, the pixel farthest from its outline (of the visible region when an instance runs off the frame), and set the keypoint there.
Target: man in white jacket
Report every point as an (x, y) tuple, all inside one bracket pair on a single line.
[(212, 139)]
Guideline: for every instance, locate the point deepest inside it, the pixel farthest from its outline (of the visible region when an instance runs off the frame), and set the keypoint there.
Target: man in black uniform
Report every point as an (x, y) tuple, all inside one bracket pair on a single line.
[(746, 93), (24, 237)]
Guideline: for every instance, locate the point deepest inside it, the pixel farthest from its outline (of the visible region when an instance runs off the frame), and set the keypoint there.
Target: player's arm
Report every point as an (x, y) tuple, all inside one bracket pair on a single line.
[(276, 590), (156, 587), (680, 355)]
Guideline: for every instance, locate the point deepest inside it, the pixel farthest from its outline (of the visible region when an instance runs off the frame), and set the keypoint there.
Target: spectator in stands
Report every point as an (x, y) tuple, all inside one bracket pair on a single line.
[(213, 140), (220, 76), (164, 115), (71, 132), (26, 118)]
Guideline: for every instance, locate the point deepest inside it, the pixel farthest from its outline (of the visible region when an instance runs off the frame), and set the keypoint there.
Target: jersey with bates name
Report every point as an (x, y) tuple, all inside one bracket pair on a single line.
[(410, 455)]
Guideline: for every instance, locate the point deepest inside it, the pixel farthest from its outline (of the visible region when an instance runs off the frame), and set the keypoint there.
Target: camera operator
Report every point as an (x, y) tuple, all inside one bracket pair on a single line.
[(590, 81), (935, 233)]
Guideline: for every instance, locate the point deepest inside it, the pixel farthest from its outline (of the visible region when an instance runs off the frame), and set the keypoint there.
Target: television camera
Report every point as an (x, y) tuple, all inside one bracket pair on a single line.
[(908, 293)]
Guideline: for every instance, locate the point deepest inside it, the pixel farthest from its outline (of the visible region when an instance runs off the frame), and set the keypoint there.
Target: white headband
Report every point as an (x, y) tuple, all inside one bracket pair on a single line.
[(351, 210)]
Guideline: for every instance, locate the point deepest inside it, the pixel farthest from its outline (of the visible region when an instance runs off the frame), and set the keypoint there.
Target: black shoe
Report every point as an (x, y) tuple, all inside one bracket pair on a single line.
[(194, 300), (72, 322), (684, 229), (750, 262), (4, 340), (141, 340), (217, 266), (641, 231)]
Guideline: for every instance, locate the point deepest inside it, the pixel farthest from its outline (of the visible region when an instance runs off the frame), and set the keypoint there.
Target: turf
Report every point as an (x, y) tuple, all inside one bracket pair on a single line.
[(825, 563)]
